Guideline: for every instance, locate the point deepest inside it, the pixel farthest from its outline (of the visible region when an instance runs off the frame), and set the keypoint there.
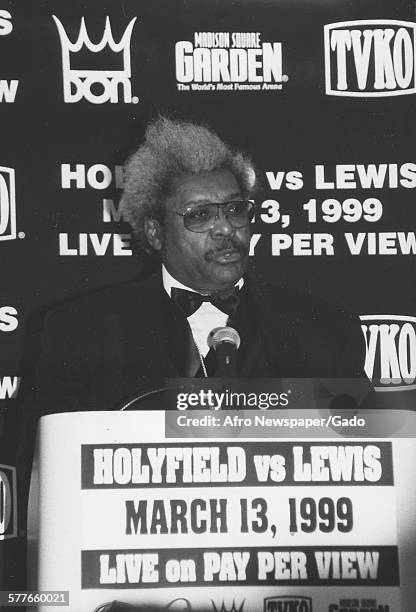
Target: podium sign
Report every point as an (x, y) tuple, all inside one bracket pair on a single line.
[(232, 524)]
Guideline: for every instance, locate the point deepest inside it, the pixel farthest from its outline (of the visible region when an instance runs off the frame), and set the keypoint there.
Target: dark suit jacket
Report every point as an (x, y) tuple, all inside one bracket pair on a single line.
[(99, 350)]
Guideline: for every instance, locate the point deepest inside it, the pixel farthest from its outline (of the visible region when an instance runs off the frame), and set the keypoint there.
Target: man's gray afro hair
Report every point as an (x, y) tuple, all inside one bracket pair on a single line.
[(171, 148)]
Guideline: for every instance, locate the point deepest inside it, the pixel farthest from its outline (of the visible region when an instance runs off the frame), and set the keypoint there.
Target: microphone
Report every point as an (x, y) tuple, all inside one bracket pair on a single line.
[(225, 341)]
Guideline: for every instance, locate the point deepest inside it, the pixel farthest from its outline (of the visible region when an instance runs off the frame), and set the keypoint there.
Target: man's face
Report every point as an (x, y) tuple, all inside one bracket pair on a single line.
[(213, 260)]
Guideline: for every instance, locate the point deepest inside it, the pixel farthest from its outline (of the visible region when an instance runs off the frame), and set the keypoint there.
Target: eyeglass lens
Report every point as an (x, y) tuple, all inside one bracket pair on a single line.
[(202, 218)]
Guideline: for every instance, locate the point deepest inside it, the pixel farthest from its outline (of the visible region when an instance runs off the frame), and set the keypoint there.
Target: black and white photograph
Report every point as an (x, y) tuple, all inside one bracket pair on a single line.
[(207, 305)]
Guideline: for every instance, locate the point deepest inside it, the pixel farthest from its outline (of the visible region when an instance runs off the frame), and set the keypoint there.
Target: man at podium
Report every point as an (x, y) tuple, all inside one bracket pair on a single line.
[(189, 199)]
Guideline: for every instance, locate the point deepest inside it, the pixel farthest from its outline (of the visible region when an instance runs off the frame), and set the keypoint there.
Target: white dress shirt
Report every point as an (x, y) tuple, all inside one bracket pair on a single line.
[(203, 320)]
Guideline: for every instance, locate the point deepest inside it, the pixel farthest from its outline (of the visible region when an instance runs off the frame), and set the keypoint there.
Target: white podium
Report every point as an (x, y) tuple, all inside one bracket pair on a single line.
[(121, 510)]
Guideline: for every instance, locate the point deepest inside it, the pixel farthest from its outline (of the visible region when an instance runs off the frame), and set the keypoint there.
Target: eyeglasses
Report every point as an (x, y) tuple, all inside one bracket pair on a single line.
[(202, 218)]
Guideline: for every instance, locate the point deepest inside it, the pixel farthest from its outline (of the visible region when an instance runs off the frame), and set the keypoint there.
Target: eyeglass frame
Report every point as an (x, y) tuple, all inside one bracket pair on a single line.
[(217, 204)]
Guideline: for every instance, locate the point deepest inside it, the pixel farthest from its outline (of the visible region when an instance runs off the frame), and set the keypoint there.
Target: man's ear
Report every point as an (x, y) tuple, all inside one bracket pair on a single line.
[(153, 233)]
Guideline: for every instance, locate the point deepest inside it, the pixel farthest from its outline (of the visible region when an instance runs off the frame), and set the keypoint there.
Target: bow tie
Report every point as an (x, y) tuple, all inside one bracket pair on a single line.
[(189, 301)]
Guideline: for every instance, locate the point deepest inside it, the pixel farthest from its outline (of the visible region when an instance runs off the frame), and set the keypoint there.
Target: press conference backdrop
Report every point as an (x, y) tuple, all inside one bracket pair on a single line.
[(320, 94)]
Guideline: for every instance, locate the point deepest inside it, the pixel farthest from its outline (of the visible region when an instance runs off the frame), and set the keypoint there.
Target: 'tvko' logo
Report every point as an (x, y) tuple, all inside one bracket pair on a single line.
[(99, 85), (370, 58), (8, 497), (391, 351), (7, 204), (288, 603)]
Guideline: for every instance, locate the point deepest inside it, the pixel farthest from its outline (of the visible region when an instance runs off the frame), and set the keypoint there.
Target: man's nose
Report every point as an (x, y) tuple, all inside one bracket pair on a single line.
[(222, 226)]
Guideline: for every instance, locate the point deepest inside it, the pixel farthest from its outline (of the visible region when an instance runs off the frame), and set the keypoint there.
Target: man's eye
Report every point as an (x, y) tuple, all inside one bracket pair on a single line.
[(235, 208), (198, 214)]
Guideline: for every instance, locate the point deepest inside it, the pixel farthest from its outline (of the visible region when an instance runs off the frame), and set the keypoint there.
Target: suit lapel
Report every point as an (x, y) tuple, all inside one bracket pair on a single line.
[(183, 355), (165, 329), (143, 330), (283, 351), (252, 358)]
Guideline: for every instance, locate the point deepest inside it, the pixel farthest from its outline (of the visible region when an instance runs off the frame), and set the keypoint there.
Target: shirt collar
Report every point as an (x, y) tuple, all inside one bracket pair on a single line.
[(169, 282)]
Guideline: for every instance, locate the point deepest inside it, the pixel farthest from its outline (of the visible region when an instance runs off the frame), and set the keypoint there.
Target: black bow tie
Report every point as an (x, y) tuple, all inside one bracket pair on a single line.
[(189, 301)]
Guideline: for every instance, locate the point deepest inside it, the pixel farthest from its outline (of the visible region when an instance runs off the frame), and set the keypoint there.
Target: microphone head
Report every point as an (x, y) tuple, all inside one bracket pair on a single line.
[(223, 334)]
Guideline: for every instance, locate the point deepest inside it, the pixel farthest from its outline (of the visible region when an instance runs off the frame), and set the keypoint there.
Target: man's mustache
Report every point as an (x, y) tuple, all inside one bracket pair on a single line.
[(226, 244)]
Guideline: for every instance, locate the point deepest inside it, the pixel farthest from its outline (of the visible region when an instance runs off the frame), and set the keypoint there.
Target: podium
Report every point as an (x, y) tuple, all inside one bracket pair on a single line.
[(169, 512)]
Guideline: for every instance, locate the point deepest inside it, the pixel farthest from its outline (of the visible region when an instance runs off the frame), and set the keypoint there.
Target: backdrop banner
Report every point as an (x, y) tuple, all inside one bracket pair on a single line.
[(320, 95)]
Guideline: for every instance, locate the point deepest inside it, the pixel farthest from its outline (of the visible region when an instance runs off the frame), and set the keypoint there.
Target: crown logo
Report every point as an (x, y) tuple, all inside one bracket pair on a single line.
[(79, 84), (224, 609)]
